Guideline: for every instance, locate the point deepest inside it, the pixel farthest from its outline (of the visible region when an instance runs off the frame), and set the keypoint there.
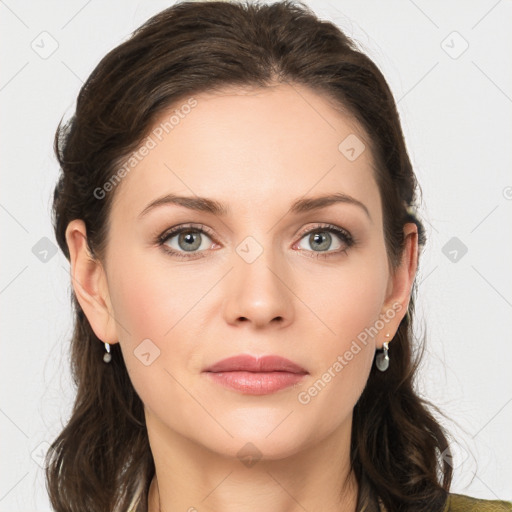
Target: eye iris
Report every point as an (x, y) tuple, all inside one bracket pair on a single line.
[(316, 237), (189, 237)]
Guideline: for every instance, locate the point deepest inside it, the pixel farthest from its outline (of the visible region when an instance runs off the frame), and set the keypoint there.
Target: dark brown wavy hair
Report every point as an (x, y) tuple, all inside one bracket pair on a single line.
[(102, 455)]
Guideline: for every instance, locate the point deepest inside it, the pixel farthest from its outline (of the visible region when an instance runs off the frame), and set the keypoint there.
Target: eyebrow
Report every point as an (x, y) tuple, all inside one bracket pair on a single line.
[(205, 204)]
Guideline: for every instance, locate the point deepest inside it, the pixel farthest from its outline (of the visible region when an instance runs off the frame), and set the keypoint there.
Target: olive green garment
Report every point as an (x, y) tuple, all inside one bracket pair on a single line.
[(460, 503), (369, 502)]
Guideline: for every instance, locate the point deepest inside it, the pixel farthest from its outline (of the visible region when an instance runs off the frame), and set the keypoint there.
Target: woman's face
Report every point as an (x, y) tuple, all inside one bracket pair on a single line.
[(260, 278)]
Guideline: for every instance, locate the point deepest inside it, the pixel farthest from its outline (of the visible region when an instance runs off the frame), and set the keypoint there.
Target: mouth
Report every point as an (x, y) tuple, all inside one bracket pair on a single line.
[(256, 376)]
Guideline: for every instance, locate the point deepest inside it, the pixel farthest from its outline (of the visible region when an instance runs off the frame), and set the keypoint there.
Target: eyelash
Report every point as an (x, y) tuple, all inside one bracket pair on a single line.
[(344, 235)]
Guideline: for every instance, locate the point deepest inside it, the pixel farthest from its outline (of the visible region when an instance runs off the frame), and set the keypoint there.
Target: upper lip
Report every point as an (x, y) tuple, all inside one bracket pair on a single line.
[(248, 363)]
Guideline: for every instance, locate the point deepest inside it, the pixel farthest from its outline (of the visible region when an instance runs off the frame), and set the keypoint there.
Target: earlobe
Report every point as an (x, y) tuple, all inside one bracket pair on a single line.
[(89, 283)]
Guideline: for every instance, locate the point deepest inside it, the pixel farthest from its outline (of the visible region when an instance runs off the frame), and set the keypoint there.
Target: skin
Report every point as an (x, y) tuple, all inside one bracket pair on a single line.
[(256, 150)]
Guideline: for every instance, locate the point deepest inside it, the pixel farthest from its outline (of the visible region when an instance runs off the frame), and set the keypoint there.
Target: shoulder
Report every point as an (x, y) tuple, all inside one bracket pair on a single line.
[(462, 503)]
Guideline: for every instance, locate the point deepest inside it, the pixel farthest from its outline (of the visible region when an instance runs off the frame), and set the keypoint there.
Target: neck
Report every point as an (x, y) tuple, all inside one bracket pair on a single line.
[(347, 501), (190, 478)]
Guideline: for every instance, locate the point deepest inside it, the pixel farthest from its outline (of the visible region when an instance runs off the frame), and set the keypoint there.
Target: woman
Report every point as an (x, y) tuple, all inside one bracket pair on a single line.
[(223, 361)]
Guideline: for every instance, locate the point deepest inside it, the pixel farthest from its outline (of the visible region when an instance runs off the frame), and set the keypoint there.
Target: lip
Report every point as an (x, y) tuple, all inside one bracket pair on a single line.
[(248, 363), (256, 376)]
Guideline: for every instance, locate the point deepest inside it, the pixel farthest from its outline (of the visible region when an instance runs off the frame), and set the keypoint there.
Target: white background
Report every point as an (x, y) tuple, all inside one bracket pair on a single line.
[(456, 114)]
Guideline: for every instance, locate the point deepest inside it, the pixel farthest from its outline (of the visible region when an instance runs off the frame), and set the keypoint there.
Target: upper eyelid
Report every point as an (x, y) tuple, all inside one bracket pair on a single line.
[(326, 227)]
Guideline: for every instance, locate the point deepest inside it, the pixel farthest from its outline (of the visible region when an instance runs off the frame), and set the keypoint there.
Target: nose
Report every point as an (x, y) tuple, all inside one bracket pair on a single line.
[(259, 293)]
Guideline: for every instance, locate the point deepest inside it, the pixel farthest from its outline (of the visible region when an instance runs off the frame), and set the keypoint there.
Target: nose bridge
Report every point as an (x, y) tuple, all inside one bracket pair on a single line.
[(258, 242), (254, 259), (258, 292)]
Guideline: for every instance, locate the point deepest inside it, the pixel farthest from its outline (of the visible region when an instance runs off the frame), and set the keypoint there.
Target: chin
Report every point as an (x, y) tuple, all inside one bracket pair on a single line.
[(258, 442)]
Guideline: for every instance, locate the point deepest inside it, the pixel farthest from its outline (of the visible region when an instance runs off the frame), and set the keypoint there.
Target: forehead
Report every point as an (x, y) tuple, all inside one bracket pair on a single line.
[(250, 146)]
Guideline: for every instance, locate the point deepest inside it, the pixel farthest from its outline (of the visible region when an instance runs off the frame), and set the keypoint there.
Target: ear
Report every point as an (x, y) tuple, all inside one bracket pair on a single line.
[(90, 283), (400, 283)]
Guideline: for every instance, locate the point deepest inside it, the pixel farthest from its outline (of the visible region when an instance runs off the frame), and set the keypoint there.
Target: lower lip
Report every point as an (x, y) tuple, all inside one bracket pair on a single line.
[(251, 383)]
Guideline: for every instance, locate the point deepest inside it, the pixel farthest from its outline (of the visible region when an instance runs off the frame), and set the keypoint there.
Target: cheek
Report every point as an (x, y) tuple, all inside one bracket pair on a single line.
[(349, 305), (151, 313), (141, 305), (149, 296), (348, 299), (148, 304), (156, 307)]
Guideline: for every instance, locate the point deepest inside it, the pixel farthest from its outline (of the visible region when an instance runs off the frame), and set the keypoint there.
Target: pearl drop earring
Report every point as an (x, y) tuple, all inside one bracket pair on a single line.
[(107, 357), (382, 359)]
